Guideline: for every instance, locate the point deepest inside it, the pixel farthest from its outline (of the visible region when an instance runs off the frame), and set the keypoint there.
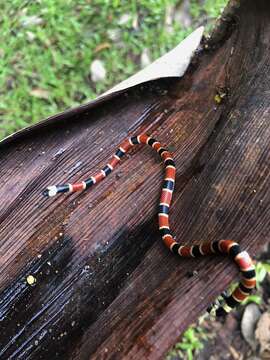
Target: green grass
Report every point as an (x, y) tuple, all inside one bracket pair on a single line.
[(192, 342), (210, 8), (44, 66)]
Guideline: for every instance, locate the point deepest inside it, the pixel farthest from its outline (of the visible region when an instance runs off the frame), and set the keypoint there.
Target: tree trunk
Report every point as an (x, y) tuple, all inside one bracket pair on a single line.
[(106, 287)]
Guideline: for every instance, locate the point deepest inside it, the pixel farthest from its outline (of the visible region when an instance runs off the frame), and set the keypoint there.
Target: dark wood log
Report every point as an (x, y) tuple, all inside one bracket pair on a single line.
[(106, 287)]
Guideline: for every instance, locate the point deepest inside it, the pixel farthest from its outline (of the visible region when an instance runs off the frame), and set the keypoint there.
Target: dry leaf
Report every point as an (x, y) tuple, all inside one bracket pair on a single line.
[(102, 46), (248, 324), (98, 71), (31, 20), (263, 335), (40, 93)]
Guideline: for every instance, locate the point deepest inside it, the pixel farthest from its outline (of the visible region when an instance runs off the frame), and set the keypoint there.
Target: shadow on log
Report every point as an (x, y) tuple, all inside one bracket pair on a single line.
[(106, 287)]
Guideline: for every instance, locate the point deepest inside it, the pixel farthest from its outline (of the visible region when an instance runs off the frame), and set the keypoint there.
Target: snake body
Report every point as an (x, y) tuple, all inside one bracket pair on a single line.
[(225, 247)]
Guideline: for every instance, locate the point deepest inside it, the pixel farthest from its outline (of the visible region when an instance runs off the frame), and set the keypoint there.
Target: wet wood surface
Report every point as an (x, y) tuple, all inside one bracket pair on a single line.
[(106, 287)]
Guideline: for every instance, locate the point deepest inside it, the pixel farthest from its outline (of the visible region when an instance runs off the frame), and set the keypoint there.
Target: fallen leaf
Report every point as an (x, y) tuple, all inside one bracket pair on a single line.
[(40, 93), (234, 353), (98, 71), (124, 19), (248, 324), (102, 46), (145, 58), (263, 335), (31, 20)]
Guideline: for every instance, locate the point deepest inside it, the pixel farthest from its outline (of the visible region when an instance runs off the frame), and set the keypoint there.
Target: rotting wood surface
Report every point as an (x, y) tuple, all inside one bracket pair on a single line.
[(106, 287)]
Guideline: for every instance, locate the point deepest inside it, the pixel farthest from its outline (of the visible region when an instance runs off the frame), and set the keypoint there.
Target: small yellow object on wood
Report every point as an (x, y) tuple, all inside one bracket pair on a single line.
[(220, 96), (218, 99), (31, 280)]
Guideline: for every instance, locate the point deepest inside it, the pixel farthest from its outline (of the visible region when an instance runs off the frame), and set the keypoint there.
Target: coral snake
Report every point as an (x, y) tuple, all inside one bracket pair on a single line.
[(226, 247)]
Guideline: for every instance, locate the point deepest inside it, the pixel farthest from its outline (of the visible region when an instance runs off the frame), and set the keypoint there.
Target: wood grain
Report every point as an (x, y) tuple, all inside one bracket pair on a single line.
[(106, 286)]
